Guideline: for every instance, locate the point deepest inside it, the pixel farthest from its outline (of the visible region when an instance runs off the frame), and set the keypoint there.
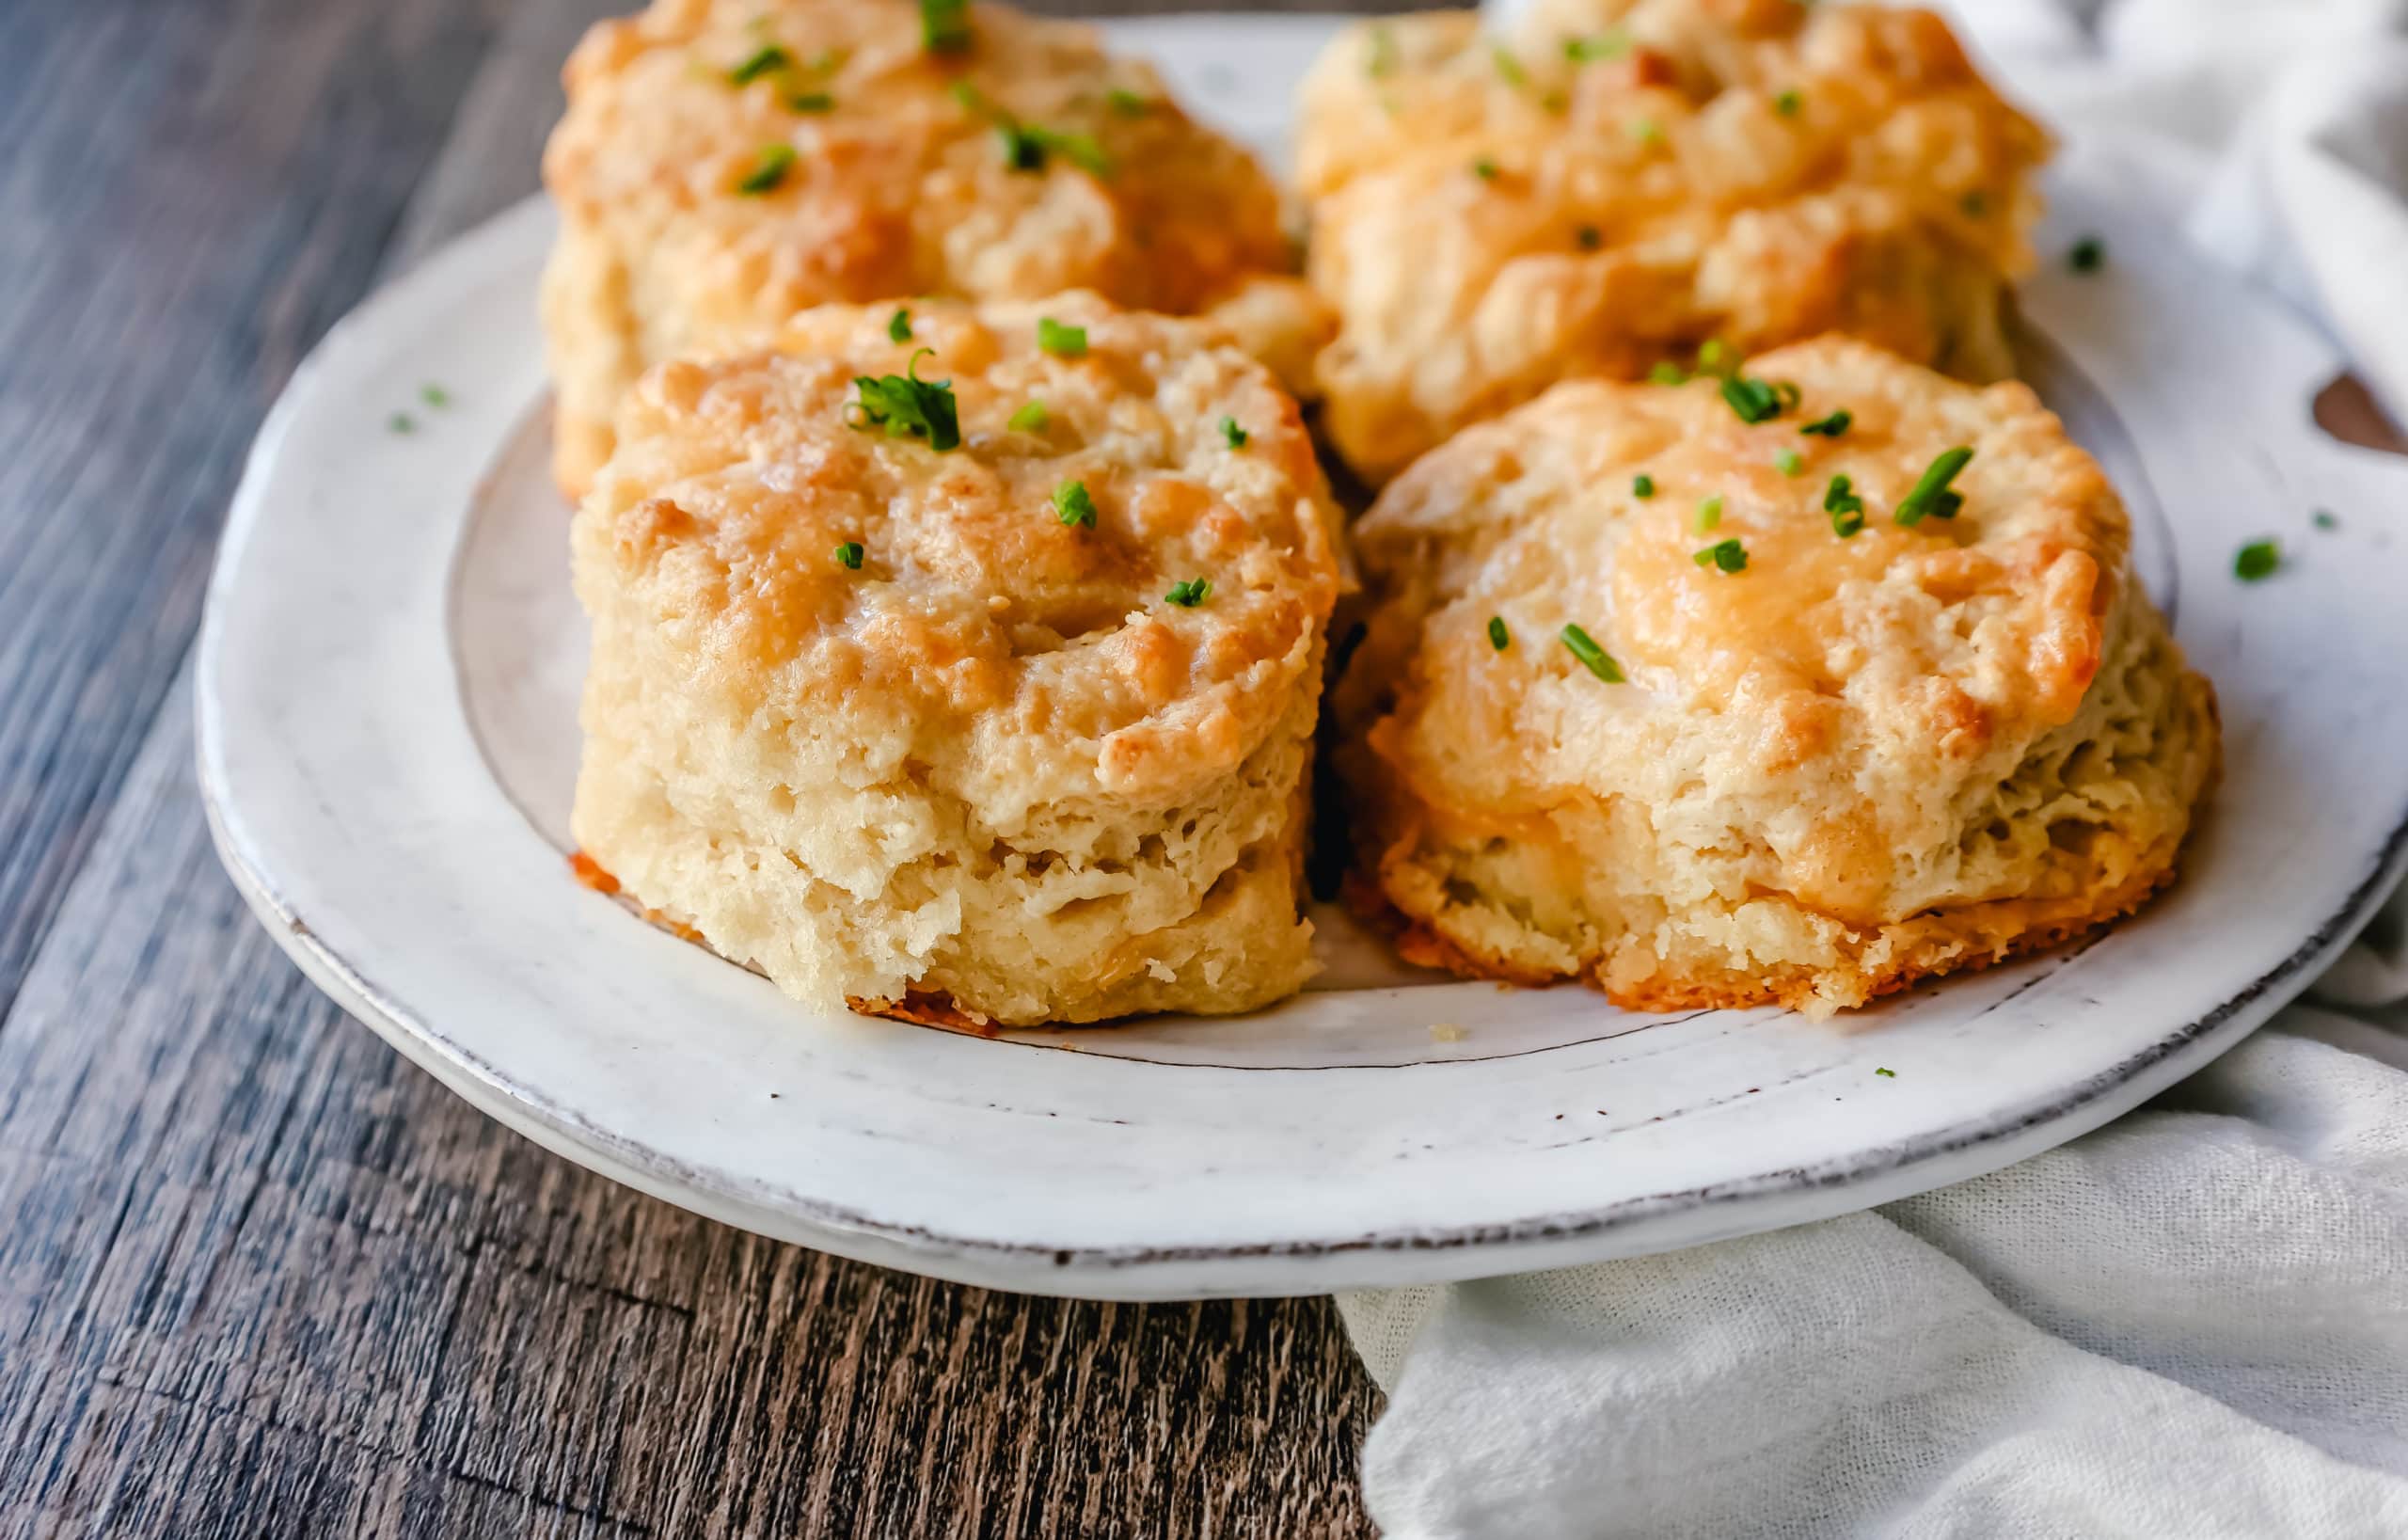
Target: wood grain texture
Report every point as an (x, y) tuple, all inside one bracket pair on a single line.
[(258, 1276)]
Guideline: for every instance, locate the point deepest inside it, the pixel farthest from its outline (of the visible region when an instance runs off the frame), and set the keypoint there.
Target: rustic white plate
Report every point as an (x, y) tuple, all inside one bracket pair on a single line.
[(387, 686)]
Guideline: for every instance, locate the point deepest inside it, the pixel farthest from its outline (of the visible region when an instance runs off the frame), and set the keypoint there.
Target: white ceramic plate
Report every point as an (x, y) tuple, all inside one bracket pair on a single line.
[(386, 686)]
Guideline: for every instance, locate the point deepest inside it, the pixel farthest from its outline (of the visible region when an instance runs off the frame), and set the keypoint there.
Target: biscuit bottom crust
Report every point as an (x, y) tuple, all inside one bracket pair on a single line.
[(1401, 886)]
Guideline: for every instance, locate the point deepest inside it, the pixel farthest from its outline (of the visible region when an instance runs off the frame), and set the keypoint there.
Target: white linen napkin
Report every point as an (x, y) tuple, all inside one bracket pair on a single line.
[(2193, 1323)]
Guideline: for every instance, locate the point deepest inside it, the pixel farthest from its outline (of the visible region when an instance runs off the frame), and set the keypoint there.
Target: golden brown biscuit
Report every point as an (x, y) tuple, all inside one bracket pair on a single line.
[(1618, 181), (952, 730), (724, 163), (1778, 761)]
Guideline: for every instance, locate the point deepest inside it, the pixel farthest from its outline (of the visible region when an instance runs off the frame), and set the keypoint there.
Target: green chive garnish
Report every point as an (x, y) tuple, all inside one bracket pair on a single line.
[(908, 406), (1127, 103), (1497, 636), (849, 555), (1931, 494), (1509, 69), (1831, 426), (1605, 45), (2322, 518), (1073, 505), (1647, 131), (763, 60), (400, 422), (899, 327), (1592, 657), (2088, 255), (944, 25), (1382, 60), (1061, 340), (1729, 555), (1754, 400), (769, 167), (1845, 508), (811, 102), (1484, 168), (1187, 595), (1668, 372), (1789, 462), (1890, 1074), (1708, 515), (1716, 357), (1029, 419), (1642, 485), (1235, 435), (1787, 103), (2256, 559), (438, 398)]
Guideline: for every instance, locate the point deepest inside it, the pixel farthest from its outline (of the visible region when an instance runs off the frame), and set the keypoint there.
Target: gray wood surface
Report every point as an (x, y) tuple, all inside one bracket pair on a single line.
[(258, 1276)]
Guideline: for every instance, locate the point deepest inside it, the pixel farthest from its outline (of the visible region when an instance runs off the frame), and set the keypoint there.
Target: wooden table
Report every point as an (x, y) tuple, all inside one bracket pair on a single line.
[(258, 1276)]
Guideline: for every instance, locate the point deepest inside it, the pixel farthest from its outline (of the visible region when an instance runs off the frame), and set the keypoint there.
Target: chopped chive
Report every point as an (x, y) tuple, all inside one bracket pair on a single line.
[(1609, 44), (769, 167), (1890, 1074), (1030, 419), (1497, 636), (1080, 149), (1789, 462), (400, 422), (2322, 518), (1831, 426), (1708, 515), (1931, 494), (1073, 505), (811, 102), (1754, 400), (1727, 555), (1509, 69), (438, 398), (1381, 60), (1973, 204), (2256, 559), (1588, 237), (1061, 340), (1787, 103), (1668, 372), (899, 327), (2088, 255), (1716, 357), (1592, 657), (849, 555), (908, 406), (1187, 595), (1127, 103), (763, 60), (1555, 102), (1484, 168), (1642, 485), (1647, 131), (1845, 508), (944, 25), (1231, 432)]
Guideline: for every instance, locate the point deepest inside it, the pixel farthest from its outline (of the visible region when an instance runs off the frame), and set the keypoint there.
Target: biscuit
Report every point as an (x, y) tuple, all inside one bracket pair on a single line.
[(1807, 765), (724, 163), (926, 730), (1615, 182)]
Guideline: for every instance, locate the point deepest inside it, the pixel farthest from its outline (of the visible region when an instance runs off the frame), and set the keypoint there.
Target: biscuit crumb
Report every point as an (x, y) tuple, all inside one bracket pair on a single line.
[(1447, 1032)]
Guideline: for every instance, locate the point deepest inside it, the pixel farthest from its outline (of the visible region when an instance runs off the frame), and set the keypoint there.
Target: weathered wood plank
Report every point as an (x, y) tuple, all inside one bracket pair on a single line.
[(257, 1277)]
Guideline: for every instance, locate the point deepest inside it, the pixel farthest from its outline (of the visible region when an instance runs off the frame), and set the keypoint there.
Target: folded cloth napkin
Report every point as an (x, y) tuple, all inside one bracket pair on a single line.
[(2193, 1323)]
